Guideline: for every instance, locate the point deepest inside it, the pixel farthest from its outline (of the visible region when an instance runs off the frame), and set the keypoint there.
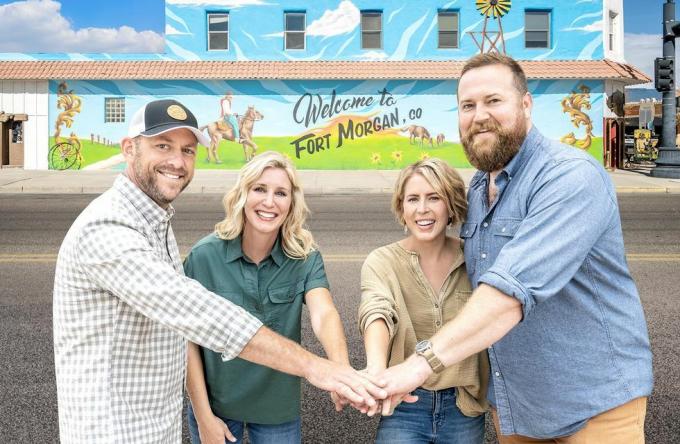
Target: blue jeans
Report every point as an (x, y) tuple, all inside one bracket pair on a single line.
[(434, 418), (231, 120), (286, 433)]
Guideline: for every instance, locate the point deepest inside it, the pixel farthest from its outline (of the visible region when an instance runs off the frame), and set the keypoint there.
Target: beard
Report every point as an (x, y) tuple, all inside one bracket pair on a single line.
[(493, 155), (148, 182)]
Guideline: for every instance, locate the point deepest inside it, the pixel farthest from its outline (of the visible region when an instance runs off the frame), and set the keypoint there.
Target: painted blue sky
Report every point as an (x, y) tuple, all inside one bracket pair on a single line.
[(137, 26)]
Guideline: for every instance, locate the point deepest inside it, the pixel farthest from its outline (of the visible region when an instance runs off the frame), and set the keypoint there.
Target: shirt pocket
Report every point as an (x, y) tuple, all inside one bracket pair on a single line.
[(282, 313), (467, 232), (502, 231)]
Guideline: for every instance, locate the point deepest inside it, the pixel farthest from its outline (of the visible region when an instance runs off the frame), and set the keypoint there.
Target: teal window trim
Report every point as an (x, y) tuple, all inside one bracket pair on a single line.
[(210, 33), (369, 13), (287, 32), (440, 33), (549, 32)]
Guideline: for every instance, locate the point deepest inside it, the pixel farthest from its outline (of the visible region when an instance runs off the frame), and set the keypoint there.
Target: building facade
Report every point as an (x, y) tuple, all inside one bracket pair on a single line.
[(351, 84)]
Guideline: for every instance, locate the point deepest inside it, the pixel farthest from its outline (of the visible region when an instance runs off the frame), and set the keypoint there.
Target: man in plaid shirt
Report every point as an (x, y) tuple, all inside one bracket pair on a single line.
[(123, 308)]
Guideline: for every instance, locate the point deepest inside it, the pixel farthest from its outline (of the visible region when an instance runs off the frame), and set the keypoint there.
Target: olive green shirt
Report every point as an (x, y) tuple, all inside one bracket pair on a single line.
[(273, 291), (395, 289)]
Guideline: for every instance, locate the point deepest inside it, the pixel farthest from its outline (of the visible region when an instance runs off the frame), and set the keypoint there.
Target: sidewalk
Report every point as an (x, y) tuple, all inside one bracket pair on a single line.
[(16, 180)]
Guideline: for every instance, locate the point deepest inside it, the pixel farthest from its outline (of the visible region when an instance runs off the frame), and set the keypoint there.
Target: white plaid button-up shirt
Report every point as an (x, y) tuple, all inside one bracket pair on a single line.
[(123, 310)]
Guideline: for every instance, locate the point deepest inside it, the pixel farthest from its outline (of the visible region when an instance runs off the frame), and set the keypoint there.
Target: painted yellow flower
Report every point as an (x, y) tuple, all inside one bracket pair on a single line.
[(375, 158), (424, 156), (396, 155)]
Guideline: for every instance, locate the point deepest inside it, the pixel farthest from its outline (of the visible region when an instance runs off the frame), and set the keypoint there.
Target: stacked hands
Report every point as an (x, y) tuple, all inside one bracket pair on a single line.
[(375, 390)]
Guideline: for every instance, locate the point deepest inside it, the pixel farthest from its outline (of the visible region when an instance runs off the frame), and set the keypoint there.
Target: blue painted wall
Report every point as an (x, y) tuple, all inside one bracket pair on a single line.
[(410, 31)]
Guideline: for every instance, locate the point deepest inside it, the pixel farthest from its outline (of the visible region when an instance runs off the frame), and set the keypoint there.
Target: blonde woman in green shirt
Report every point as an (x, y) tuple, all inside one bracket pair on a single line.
[(409, 290), (261, 258)]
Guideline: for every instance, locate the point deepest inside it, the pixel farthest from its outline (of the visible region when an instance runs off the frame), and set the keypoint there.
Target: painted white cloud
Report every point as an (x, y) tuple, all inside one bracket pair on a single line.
[(337, 21), (372, 55), (170, 30), (592, 27), (38, 26), (640, 51)]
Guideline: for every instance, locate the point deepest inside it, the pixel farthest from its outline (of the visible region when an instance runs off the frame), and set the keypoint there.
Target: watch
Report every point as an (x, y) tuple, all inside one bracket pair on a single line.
[(424, 349)]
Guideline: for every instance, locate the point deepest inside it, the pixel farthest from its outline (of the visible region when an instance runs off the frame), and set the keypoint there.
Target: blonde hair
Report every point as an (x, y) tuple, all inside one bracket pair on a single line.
[(297, 242), (445, 181)]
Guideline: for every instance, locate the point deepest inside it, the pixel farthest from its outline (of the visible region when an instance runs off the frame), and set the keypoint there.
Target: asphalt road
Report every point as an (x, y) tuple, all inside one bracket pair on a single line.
[(346, 227)]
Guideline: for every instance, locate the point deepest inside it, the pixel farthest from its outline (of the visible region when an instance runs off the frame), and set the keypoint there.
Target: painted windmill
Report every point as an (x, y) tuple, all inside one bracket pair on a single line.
[(491, 10)]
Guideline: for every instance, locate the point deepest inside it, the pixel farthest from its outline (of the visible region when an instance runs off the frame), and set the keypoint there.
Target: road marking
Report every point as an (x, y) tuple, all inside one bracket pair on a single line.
[(27, 258)]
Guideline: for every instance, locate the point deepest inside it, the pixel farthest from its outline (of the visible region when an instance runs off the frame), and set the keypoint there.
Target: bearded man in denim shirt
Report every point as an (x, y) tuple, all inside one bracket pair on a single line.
[(554, 301)]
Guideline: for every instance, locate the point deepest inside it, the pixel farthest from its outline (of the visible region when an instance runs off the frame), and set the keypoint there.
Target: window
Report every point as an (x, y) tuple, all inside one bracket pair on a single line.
[(612, 30), (371, 30), (448, 29), (114, 109), (218, 31), (537, 29), (295, 30)]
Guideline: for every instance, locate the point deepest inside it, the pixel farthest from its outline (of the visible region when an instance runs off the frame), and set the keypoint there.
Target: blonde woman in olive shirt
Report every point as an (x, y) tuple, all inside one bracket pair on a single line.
[(409, 290), (261, 258)]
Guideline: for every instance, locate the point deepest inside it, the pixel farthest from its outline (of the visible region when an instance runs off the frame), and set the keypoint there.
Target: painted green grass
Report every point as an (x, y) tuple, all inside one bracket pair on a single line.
[(352, 155), (373, 153), (93, 152)]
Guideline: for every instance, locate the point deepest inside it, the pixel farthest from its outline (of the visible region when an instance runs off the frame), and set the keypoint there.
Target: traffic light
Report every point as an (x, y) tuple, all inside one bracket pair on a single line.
[(664, 74)]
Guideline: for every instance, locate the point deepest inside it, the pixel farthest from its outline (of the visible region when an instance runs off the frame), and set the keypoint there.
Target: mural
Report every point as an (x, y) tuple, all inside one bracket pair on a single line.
[(65, 154), (333, 31), (574, 105), (319, 124)]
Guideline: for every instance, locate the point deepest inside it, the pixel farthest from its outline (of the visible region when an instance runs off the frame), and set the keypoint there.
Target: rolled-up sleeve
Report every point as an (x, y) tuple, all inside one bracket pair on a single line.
[(566, 215), (121, 260), (377, 301)]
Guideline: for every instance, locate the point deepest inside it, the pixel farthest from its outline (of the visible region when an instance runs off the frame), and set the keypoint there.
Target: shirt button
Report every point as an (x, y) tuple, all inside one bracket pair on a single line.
[(483, 255), (439, 323), (485, 224), (503, 230), (497, 373), (436, 305)]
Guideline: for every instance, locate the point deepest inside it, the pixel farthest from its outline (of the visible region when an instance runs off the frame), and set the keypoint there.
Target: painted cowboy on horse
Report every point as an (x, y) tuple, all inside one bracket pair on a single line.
[(234, 128)]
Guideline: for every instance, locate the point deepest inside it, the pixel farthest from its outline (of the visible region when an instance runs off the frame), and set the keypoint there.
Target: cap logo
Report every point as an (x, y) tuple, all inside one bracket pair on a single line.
[(177, 112)]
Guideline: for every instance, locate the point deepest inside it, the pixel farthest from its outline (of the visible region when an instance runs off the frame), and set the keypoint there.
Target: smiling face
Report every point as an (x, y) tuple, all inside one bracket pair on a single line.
[(493, 116), (425, 212), (268, 202), (161, 166)]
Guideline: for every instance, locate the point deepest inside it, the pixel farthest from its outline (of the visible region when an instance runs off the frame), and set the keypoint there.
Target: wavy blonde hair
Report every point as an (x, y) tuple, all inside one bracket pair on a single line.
[(445, 181), (297, 241)]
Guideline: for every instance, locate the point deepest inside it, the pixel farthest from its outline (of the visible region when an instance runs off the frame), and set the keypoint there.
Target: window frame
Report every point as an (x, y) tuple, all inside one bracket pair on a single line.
[(453, 13), (286, 32), (210, 14), (114, 109), (548, 32), (374, 13)]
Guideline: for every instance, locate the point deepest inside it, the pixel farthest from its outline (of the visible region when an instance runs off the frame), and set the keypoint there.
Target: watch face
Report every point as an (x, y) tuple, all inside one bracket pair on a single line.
[(422, 346)]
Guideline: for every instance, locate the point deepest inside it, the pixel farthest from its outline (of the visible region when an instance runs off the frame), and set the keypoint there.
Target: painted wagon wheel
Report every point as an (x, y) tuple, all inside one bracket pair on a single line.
[(62, 156), (493, 8)]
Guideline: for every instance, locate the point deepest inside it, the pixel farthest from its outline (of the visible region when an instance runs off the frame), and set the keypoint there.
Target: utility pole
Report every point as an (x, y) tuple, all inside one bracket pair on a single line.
[(668, 162)]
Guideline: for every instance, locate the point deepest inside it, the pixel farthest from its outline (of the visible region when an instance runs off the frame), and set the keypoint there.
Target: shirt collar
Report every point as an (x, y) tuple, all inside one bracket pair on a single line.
[(235, 251), (525, 151), (531, 141), (150, 210)]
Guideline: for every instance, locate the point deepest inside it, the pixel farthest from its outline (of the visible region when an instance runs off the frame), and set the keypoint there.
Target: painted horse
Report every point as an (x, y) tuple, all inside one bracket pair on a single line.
[(417, 131), (220, 129)]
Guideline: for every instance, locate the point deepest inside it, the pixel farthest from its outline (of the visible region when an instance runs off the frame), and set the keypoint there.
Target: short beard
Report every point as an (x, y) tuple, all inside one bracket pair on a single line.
[(147, 181), (506, 146)]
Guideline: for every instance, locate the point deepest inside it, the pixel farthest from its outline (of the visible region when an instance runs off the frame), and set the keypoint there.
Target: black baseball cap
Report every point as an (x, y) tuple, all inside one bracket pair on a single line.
[(161, 116)]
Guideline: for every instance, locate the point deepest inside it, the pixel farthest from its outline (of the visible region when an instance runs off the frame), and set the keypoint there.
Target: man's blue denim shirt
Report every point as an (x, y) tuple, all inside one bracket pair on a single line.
[(553, 240)]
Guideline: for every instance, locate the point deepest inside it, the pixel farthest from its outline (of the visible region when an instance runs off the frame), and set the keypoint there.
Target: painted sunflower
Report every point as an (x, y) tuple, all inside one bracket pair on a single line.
[(375, 158)]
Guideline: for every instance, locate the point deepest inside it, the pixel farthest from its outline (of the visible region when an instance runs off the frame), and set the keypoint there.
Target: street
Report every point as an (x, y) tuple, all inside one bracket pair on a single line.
[(346, 229)]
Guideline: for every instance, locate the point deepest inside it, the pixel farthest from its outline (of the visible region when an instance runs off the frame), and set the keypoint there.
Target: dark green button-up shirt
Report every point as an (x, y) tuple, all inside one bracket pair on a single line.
[(273, 291)]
